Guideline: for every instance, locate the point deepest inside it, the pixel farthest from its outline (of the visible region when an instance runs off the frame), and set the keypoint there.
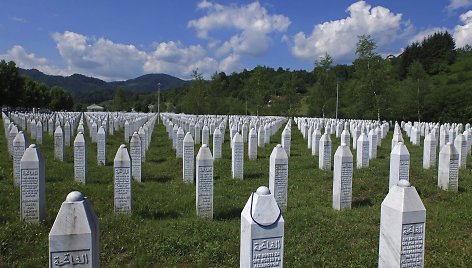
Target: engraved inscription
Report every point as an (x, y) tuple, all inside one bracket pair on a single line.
[(280, 184), (30, 194), (188, 162), (404, 169), (412, 245), (122, 189), (205, 190), (454, 173), (346, 184), (267, 252), (69, 258)]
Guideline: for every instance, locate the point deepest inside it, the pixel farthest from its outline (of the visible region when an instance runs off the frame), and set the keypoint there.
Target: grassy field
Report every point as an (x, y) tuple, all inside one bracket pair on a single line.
[(163, 230)]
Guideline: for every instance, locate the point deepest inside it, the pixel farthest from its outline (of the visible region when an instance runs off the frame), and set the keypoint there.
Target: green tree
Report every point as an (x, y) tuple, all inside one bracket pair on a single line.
[(419, 77), (323, 94), (11, 84), (61, 100), (120, 102), (194, 100)]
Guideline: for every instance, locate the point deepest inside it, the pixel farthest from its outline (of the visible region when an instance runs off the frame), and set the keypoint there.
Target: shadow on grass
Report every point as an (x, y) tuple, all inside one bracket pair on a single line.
[(160, 179), (156, 215), (366, 202), (229, 214), (252, 176), (462, 189), (157, 161)]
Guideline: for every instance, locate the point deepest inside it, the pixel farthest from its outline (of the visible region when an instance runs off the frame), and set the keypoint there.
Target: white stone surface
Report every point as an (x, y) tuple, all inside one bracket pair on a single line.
[(32, 185), (278, 176), (122, 181), (237, 157), (19, 145), (188, 158), (399, 164), (402, 228), (204, 183), (101, 147), (262, 231), (252, 145), (362, 153), (315, 139), (461, 146), (448, 168), (205, 135), (136, 155), (342, 178), (429, 151), (217, 144), (74, 239), (59, 150), (179, 145), (286, 140), (324, 158), (80, 158)]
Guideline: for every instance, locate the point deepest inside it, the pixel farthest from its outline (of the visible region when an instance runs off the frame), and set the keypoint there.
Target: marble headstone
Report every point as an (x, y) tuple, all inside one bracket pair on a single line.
[(135, 154), (399, 164), (80, 158), (122, 181), (448, 168), (237, 157), (32, 185), (188, 158), (342, 178), (204, 183), (278, 176), (59, 150)]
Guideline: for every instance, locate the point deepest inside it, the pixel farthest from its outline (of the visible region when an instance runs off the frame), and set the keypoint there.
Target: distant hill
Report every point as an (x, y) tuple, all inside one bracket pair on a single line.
[(93, 90)]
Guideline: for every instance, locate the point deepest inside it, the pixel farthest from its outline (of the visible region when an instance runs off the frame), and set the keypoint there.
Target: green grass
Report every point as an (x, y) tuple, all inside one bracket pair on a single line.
[(163, 230)]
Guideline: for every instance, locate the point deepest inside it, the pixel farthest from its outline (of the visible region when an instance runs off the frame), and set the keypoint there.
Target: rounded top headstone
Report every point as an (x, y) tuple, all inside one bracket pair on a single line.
[(262, 190), (74, 196), (21, 131), (80, 132), (205, 146), (403, 183), (122, 146), (32, 146), (279, 145)]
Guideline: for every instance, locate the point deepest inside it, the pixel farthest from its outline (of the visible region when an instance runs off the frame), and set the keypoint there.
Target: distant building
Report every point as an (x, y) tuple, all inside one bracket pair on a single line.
[(94, 108)]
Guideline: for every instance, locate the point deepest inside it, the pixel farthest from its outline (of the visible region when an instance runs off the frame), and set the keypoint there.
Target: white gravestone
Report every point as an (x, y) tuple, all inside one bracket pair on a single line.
[(399, 164), (127, 131), (74, 239), (179, 143), (429, 151), (122, 181), (205, 135), (448, 168), (188, 158), (261, 137), (315, 139), (237, 157), (372, 144), (310, 137), (362, 153), (346, 137), (32, 185), (80, 158), (93, 132), (135, 154), (217, 144), (286, 140), (197, 133), (11, 136), (324, 158), (39, 132), (252, 145), (142, 137), (461, 146), (278, 176), (402, 228), (67, 133), (342, 178), (262, 231), (19, 147), (101, 147), (59, 144), (204, 183)]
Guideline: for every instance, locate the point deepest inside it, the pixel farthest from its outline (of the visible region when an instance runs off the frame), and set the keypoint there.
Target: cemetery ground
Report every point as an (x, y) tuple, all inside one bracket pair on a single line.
[(164, 231)]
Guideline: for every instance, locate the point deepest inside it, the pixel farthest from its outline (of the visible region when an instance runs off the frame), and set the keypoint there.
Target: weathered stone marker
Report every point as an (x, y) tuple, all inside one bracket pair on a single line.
[(19, 146), (237, 157), (402, 228), (362, 153), (461, 146), (188, 158), (429, 151), (179, 143), (32, 185), (324, 158), (135, 154), (142, 136), (278, 176), (205, 135), (315, 139), (59, 144), (372, 144), (286, 140), (67, 133), (399, 164), (448, 168), (74, 239), (342, 178), (217, 144), (262, 231), (122, 181), (39, 132), (101, 147), (80, 158), (204, 184), (252, 145)]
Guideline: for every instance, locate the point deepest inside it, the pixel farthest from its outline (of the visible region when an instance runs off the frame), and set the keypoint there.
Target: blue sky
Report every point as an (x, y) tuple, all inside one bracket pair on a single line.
[(117, 40)]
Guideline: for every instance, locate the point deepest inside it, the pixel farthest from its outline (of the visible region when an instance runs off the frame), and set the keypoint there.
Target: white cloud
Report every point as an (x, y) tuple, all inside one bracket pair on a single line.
[(457, 4), (463, 33), (26, 60), (252, 22), (175, 59), (339, 37), (419, 37), (230, 64), (18, 19)]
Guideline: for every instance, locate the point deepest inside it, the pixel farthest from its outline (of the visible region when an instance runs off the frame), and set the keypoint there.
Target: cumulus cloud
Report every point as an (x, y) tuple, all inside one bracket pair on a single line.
[(175, 59), (230, 64), (463, 33), (457, 4), (339, 37), (252, 23)]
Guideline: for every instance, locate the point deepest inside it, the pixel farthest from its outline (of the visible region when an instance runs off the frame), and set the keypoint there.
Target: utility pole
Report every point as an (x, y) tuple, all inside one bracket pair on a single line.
[(158, 102)]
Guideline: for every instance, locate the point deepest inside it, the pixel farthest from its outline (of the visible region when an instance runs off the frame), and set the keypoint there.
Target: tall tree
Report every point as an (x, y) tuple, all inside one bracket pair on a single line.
[(120, 102), (11, 84), (61, 100), (324, 91)]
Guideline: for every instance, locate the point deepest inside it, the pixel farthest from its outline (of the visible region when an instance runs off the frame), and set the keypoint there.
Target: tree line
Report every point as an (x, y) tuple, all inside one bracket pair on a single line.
[(18, 91)]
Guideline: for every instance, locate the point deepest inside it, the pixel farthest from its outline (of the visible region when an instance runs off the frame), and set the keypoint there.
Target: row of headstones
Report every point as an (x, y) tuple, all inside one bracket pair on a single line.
[(262, 232)]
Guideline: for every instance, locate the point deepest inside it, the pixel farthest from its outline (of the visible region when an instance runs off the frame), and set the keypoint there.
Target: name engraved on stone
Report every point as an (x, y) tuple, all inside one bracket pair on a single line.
[(404, 169), (79, 162), (412, 245), (30, 194), (205, 189), (266, 252), (76, 258), (281, 173), (346, 184), (122, 190), (454, 173), (188, 163)]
